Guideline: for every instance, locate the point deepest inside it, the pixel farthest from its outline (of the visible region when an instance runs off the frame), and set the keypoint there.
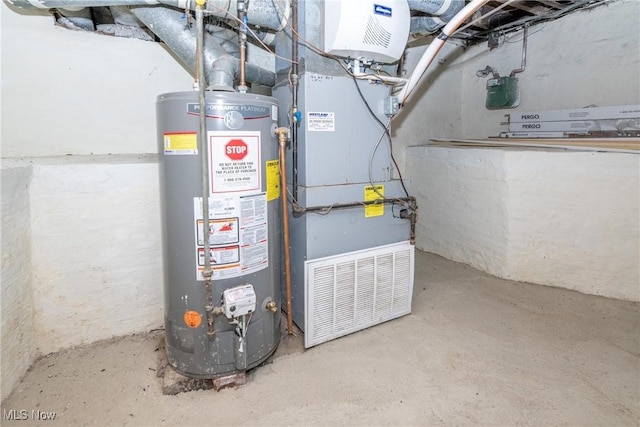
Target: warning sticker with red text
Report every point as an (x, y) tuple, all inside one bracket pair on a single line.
[(238, 235), (234, 160)]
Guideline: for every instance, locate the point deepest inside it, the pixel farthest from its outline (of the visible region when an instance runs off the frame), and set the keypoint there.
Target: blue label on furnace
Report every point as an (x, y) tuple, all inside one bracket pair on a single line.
[(379, 9)]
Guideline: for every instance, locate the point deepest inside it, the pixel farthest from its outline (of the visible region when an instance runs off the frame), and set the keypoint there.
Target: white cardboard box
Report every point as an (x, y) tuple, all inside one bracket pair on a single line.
[(589, 113), (577, 126)]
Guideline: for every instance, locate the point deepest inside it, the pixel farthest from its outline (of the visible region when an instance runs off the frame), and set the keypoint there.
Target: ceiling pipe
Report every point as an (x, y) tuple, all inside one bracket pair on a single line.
[(171, 28), (266, 14), (435, 46)]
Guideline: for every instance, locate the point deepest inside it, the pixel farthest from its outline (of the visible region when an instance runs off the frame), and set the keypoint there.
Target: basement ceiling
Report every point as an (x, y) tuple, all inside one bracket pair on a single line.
[(493, 21), (499, 17)]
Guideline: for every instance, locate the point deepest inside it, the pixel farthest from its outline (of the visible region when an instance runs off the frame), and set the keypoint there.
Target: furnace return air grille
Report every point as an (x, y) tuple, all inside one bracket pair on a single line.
[(353, 291)]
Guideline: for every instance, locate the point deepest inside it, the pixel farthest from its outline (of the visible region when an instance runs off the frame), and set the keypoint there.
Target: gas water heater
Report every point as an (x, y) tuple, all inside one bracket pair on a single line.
[(243, 227)]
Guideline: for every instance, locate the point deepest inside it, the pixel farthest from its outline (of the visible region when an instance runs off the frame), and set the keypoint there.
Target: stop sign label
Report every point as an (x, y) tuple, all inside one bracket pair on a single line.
[(236, 149)]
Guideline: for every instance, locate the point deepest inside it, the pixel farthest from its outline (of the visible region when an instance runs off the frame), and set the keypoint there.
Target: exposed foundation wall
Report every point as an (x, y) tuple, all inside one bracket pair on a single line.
[(566, 219), (16, 303), (97, 255), (574, 220), (80, 231)]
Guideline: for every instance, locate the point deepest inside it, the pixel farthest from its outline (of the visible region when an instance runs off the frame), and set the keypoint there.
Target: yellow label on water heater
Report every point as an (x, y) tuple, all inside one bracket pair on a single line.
[(180, 143), (371, 193), (273, 179)]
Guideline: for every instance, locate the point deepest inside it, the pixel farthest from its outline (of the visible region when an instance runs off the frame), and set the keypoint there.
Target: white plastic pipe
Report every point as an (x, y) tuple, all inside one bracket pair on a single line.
[(435, 46)]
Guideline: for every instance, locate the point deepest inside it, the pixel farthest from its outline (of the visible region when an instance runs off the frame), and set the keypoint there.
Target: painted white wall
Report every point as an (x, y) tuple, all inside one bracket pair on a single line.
[(74, 92), (461, 209), (574, 221), (566, 219), (96, 251), (18, 347), (79, 114)]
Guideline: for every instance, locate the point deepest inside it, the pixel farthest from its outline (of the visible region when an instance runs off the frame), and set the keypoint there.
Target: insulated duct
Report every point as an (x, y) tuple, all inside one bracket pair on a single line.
[(440, 11), (266, 14), (171, 28), (425, 25), (226, 38), (445, 9), (75, 19)]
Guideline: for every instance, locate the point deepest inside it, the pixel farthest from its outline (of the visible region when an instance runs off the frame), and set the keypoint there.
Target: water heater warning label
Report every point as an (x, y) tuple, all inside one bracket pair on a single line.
[(234, 160), (180, 143), (238, 235)]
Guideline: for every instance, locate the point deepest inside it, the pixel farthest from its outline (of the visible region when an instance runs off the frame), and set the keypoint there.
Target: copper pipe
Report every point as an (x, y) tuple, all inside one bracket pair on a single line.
[(282, 139), (243, 61)]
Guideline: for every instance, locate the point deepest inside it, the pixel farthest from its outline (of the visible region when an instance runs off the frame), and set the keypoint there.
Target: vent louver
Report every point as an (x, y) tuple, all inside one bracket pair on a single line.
[(375, 34), (353, 291)]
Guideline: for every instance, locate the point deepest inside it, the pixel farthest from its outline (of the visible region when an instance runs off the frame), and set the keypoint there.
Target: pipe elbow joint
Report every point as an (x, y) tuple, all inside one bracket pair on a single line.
[(222, 72)]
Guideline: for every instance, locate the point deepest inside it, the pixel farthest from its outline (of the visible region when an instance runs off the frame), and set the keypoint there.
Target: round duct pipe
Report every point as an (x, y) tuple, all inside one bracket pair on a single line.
[(169, 26), (440, 12), (444, 9), (425, 25), (267, 14)]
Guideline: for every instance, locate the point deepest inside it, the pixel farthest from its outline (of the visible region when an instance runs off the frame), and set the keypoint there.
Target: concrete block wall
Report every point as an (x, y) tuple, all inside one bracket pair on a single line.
[(574, 221), (565, 219), (97, 255), (17, 336)]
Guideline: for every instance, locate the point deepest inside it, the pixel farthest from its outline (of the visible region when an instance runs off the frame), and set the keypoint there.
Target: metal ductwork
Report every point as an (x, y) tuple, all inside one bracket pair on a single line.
[(439, 13), (425, 25), (171, 28), (75, 19), (226, 38), (445, 9), (122, 16), (266, 14)]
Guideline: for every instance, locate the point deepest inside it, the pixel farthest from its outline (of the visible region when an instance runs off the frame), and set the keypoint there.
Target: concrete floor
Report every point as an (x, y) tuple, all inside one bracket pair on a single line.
[(476, 351)]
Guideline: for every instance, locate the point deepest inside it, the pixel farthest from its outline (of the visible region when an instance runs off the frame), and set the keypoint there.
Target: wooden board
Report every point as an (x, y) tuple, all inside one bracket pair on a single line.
[(631, 145)]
